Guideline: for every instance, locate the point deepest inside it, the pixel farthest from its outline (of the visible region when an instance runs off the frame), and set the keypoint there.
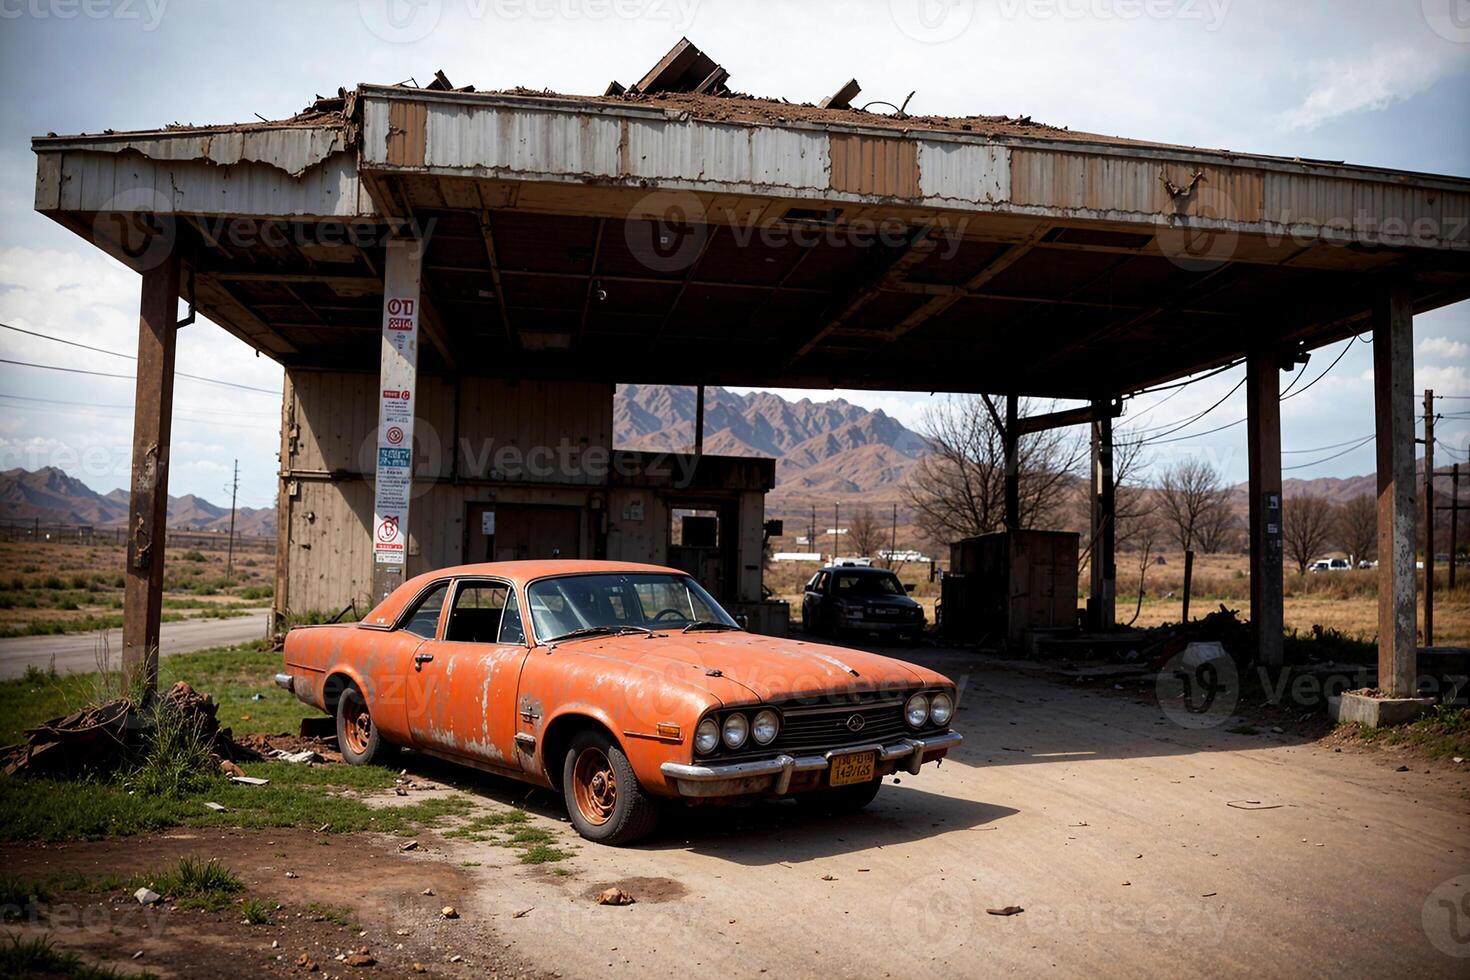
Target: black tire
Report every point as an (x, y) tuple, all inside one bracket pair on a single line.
[(360, 747), (632, 812), (844, 799)]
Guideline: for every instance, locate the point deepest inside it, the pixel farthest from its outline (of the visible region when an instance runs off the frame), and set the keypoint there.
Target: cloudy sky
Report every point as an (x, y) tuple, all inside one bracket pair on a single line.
[(1378, 82)]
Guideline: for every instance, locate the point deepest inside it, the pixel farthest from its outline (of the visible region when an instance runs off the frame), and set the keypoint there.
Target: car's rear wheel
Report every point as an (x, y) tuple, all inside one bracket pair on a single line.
[(358, 738), (843, 799), (603, 796)]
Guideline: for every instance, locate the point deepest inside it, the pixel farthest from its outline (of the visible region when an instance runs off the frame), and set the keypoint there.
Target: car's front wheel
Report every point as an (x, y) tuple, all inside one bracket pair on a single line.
[(606, 802)]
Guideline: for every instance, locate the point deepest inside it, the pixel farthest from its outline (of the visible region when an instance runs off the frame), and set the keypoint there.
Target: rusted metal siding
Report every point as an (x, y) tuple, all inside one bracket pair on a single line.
[(964, 173), (1430, 217), (729, 154), (292, 149), (89, 182), (1113, 185), (873, 165), (406, 135), (536, 143)]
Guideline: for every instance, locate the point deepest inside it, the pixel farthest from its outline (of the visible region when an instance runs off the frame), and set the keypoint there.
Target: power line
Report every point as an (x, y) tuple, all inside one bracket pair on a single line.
[(1190, 421), (113, 353), (129, 407), (129, 377), (1323, 449), (1340, 355), (1324, 459)]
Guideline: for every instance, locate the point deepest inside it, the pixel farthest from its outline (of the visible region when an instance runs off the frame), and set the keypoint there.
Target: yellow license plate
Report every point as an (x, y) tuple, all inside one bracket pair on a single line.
[(849, 769)]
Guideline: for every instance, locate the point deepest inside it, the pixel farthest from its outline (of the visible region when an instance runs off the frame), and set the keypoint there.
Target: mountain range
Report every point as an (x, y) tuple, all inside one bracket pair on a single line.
[(823, 450), (50, 496)]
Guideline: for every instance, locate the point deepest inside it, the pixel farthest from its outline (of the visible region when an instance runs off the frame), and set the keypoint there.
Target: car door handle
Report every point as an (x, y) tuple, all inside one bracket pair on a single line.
[(419, 659)]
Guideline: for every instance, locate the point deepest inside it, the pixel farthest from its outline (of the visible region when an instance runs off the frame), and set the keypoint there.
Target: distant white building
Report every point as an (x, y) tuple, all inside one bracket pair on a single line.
[(797, 556)]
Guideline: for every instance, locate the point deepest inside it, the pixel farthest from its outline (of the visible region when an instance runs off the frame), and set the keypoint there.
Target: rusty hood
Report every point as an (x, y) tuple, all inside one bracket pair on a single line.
[(770, 668)]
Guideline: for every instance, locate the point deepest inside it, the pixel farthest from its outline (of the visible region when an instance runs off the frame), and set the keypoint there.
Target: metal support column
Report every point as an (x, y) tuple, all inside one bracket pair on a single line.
[(1011, 439), (699, 422), (1393, 384), (397, 407), (1263, 425), (1429, 517), (1104, 532), (158, 314)]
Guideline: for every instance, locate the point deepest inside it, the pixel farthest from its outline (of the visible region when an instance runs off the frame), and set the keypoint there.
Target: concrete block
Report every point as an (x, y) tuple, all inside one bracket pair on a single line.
[(1376, 712)]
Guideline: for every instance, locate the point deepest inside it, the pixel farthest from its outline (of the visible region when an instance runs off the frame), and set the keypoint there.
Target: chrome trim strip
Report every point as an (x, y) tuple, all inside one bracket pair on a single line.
[(286, 681), (784, 766)]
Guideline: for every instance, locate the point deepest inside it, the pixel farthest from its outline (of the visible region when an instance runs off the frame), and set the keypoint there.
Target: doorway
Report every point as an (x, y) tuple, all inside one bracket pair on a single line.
[(516, 532)]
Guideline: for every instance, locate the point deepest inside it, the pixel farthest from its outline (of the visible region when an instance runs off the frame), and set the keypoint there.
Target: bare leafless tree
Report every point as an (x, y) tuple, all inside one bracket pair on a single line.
[(1195, 503), (1355, 528), (866, 535), (1306, 528), (958, 488), (1146, 530)]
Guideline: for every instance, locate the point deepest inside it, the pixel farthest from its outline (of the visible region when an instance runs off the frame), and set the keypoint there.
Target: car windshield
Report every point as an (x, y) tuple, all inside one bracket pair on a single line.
[(866, 583), (618, 600)]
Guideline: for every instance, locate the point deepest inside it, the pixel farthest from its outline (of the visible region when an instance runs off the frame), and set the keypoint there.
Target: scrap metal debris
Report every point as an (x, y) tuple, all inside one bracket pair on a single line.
[(1252, 805), (1005, 910)]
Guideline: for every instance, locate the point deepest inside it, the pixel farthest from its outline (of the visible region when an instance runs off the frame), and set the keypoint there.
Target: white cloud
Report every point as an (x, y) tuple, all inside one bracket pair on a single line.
[(1387, 75), (1443, 347)]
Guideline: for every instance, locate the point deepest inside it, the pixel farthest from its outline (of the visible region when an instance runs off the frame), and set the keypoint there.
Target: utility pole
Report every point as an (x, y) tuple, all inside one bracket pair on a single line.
[(893, 541), (234, 492), (1429, 517), (1454, 521), (811, 538), (836, 522)]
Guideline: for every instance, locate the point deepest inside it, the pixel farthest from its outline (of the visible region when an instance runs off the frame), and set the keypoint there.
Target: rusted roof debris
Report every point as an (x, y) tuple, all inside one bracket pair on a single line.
[(686, 81)]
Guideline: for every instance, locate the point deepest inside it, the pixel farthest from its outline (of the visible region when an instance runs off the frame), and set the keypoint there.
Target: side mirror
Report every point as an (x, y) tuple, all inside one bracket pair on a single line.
[(743, 620), (908, 587)]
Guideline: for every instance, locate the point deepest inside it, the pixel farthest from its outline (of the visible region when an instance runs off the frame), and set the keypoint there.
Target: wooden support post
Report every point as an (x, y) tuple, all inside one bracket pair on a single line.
[(1393, 384), (699, 422), (153, 402), (1011, 439), (1104, 531), (1454, 521), (1263, 424), (1429, 517), (397, 408), (1188, 582)]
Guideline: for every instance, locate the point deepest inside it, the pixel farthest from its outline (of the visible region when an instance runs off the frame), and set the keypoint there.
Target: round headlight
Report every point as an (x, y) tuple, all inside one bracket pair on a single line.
[(706, 736), (941, 709), (916, 711), (736, 728), (767, 723)]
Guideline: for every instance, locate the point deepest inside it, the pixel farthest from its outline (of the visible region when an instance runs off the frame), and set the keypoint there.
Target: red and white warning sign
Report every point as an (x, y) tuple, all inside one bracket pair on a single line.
[(399, 375)]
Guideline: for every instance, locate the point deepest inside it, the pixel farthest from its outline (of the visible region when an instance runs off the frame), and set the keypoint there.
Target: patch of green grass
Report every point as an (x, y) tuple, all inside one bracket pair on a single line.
[(177, 759), (340, 917), (256, 913), (483, 827), (297, 796), (1443, 732), (543, 854), (20, 896), (39, 956), (195, 883), (231, 675)]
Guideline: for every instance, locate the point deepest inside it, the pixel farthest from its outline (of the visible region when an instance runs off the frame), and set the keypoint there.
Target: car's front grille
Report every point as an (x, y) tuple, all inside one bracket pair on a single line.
[(811, 729)]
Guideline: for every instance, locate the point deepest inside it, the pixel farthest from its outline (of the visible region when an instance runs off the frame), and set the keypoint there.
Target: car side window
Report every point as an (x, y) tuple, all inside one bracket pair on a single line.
[(511, 630), (477, 612), (424, 620), (822, 582)]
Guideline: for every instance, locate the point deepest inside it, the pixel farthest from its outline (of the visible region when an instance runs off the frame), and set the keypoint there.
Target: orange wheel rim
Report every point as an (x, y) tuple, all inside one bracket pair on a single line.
[(595, 786), (358, 727)]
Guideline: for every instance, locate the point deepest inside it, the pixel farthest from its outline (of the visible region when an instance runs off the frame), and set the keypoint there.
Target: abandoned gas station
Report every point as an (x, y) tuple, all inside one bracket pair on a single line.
[(454, 281)]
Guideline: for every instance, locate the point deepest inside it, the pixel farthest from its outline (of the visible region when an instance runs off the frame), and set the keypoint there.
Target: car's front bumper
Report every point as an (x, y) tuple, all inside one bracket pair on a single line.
[(776, 776)]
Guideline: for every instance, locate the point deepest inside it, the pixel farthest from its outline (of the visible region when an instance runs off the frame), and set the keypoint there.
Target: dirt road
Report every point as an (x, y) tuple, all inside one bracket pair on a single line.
[(1107, 823), (73, 652)]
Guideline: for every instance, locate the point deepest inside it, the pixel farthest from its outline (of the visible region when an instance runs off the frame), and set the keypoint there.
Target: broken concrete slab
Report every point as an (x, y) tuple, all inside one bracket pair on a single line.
[(1376, 712)]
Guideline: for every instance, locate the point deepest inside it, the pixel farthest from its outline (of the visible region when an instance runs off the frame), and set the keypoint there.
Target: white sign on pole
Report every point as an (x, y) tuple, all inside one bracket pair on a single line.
[(398, 381)]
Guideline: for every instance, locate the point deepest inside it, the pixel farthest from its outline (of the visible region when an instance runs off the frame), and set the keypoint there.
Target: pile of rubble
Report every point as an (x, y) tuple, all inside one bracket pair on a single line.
[(99, 738)]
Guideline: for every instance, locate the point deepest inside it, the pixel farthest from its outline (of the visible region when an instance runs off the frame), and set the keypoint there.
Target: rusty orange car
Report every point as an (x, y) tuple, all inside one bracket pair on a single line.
[(619, 685)]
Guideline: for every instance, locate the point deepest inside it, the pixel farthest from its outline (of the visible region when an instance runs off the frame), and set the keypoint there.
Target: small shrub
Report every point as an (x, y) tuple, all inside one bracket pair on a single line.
[(193, 554), (176, 760), (256, 913)]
